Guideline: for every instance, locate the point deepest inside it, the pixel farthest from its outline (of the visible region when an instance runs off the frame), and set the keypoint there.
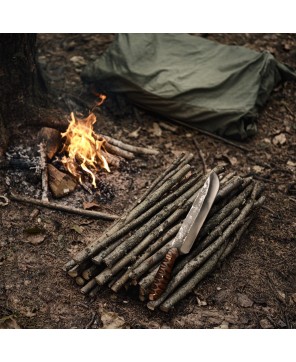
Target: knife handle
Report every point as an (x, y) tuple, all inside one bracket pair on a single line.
[(163, 274)]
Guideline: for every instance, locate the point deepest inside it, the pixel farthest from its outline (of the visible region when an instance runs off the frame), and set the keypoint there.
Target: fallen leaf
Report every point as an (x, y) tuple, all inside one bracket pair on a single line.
[(177, 153), (279, 139), (155, 130), (291, 163), (78, 61), (111, 320), (34, 239), (265, 324), (77, 228), (258, 169), (244, 301), (232, 160), (223, 325), (90, 205), (135, 134), (168, 145), (26, 312), (8, 322)]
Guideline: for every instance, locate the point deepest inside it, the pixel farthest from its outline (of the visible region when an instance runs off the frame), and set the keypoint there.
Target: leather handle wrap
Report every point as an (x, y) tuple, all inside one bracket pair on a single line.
[(163, 274)]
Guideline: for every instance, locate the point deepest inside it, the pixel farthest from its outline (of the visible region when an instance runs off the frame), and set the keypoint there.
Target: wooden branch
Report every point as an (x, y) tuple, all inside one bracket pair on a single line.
[(155, 246), (98, 259), (157, 194), (77, 269), (176, 208), (51, 139), (119, 151), (111, 159), (171, 167), (201, 273), (88, 286), (227, 209), (60, 183), (197, 261), (145, 284), (151, 261), (118, 230), (204, 166), (185, 160), (94, 291), (228, 197), (54, 206), (90, 272), (230, 186), (191, 185), (79, 281), (186, 288), (44, 172), (227, 176), (130, 148), (212, 135), (131, 256)]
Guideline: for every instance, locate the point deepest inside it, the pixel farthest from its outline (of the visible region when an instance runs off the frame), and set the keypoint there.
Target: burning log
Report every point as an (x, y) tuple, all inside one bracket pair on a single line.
[(51, 138), (60, 183), (123, 260)]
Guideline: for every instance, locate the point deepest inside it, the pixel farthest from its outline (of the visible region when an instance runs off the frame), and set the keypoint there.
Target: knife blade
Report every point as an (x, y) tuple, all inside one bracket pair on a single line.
[(187, 234)]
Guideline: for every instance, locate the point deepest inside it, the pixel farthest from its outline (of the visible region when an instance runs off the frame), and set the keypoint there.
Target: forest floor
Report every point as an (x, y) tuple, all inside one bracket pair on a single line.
[(255, 287)]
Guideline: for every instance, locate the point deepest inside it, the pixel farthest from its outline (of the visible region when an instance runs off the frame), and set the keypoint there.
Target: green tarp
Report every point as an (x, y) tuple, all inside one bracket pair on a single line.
[(215, 87)]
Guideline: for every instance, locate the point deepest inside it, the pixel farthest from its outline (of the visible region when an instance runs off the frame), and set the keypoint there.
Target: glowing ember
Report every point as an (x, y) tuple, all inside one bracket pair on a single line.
[(83, 148)]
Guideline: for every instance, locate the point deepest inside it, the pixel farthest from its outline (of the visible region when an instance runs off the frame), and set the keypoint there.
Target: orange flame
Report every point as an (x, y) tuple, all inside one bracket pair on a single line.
[(102, 99), (83, 148)]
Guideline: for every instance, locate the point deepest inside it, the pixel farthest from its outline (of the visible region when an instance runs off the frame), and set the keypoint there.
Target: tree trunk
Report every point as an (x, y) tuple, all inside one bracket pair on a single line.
[(21, 86)]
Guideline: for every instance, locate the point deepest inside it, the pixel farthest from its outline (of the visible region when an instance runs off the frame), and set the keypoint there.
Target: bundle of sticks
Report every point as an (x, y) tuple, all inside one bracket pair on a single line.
[(129, 253)]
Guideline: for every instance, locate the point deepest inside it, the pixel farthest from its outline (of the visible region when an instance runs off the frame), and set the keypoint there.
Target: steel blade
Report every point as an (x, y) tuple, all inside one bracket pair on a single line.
[(197, 214)]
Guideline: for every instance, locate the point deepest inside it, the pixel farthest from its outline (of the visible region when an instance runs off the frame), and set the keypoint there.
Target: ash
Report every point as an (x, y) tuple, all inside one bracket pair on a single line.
[(24, 175)]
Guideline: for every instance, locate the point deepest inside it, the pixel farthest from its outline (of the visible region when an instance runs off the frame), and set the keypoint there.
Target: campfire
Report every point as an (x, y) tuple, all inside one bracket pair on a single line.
[(83, 148), (82, 153)]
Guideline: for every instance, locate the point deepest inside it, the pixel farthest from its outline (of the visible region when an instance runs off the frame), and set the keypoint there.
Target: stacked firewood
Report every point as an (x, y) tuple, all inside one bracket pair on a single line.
[(129, 252)]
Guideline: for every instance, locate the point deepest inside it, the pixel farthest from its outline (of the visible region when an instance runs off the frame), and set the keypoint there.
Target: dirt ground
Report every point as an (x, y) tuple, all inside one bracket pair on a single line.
[(255, 287)]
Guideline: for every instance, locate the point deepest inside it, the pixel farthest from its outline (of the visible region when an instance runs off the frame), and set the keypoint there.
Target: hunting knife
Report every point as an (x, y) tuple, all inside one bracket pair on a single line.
[(187, 234)]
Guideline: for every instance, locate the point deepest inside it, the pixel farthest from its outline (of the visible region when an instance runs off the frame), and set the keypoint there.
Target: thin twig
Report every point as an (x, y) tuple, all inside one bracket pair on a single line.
[(204, 166), (44, 172), (212, 135), (130, 148), (73, 210)]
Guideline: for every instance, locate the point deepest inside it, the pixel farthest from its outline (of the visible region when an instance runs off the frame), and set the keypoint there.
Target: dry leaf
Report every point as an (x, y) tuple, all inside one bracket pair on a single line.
[(258, 169), (111, 320), (34, 239), (244, 301), (135, 134), (155, 130), (291, 163), (77, 228), (8, 322), (78, 61), (90, 205), (280, 139)]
